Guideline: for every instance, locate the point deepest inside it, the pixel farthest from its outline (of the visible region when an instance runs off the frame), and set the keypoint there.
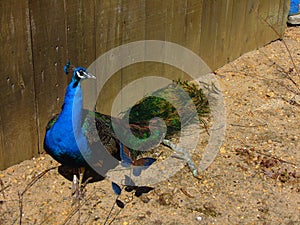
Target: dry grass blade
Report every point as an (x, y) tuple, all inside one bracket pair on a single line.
[(3, 188), (77, 209), (288, 50), (39, 176), (111, 209)]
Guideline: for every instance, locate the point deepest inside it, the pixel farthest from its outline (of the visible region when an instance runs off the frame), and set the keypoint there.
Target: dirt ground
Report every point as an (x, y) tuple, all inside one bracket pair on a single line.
[(255, 179)]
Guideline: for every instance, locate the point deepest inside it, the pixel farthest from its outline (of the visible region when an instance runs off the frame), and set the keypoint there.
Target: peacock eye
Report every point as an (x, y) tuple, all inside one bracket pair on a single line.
[(80, 74)]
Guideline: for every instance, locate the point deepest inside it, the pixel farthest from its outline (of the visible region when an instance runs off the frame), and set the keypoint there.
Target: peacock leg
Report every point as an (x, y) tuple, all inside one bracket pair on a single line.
[(81, 172), (77, 185), (185, 155)]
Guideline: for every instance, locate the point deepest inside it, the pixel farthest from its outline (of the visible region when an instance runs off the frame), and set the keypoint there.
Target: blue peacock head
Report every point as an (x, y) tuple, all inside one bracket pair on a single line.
[(79, 73)]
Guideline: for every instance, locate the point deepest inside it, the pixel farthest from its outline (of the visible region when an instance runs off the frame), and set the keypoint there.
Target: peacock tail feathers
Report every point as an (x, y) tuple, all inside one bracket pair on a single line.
[(157, 105)]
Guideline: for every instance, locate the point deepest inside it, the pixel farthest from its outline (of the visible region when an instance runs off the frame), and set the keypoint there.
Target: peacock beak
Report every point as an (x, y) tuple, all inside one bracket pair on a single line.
[(89, 75), (85, 75)]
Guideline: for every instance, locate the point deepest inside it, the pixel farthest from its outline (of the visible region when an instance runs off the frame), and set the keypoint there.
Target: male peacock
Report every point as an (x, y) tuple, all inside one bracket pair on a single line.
[(69, 140), (63, 137)]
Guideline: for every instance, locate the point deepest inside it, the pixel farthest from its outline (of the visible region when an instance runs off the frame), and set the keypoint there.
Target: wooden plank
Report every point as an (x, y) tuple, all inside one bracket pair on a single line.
[(133, 29), (155, 29), (269, 17), (222, 23), (237, 29), (156, 19), (283, 15), (161, 25), (264, 32), (133, 21), (176, 22), (80, 31), (250, 24), (273, 13), (227, 30), (81, 42), (49, 47), (18, 128), (176, 32), (277, 17), (193, 21), (208, 32), (108, 36)]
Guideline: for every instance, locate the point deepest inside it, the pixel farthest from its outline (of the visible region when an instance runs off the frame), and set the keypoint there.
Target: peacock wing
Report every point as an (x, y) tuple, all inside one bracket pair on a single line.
[(52, 122), (103, 131)]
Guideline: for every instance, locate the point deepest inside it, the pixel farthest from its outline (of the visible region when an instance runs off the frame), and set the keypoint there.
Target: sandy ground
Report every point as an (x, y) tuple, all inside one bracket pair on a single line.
[(255, 179)]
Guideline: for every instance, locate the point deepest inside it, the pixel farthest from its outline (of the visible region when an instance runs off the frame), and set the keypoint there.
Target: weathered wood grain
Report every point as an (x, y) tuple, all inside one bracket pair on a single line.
[(18, 126), (108, 36), (82, 51), (48, 27), (38, 37)]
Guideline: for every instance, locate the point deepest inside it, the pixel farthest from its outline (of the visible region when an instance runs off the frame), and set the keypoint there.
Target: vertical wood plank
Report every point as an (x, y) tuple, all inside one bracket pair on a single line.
[(220, 15), (108, 36), (49, 47), (264, 32), (237, 29), (273, 13), (18, 135), (155, 29), (284, 7), (193, 24), (250, 24), (208, 32), (80, 22), (133, 29), (176, 32), (227, 31), (276, 16), (81, 42), (176, 22)]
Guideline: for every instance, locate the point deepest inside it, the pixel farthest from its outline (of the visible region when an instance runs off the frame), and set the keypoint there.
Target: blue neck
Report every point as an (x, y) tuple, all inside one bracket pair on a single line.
[(68, 124), (65, 141), (72, 108)]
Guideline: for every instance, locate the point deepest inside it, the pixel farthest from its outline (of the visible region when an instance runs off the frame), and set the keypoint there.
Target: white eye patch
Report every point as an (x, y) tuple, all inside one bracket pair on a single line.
[(79, 75)]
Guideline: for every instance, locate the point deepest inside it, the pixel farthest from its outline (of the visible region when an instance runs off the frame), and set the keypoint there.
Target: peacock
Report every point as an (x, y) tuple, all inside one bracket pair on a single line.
[(71, 142)]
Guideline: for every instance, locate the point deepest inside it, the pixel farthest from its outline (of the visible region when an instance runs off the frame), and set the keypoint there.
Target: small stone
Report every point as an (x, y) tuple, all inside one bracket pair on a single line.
[(199, 218), (297, 99), (165, 199), (145, 198), (223, 150), (141, 217)]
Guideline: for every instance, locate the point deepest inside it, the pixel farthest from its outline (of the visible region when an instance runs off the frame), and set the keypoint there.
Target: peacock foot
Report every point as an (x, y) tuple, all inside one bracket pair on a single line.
[(78, 188)]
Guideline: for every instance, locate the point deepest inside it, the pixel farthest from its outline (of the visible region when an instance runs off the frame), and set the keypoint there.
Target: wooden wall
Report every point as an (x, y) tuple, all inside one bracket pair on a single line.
[(37, 37)]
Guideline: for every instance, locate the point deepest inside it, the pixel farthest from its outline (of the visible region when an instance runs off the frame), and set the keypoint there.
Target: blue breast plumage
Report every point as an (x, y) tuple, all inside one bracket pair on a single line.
[(64, 135)]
